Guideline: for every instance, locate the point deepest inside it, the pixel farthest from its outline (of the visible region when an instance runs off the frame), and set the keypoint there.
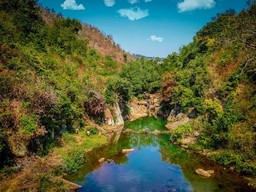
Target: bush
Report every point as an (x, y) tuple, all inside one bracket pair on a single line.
[(93, 130), (181, 130), (248, 168), (231, 159), (228, 158), (49, 183), (74, 161), (28, 124)]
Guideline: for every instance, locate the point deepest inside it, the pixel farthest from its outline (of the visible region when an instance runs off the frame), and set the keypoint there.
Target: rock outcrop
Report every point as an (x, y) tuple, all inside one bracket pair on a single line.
[(147, 106), (113, 115)]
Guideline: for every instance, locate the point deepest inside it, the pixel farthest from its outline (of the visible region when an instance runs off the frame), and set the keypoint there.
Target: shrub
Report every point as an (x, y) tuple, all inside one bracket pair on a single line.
[(181, 130), (228, 158), (49, 183), (73, 161), (93, 130), (28, 124)]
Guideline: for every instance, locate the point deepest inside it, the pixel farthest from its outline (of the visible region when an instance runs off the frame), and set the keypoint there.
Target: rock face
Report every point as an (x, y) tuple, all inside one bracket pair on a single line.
[(125, 151), (113, 115), (117, 114), (109, 120), (172, 125), (141, 108), (204, 173)]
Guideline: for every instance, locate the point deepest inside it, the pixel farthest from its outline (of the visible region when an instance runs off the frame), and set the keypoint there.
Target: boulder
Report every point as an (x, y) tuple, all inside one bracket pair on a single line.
[(101, 160), (125, 151), (179, 116), (210, 171), (204, 173)]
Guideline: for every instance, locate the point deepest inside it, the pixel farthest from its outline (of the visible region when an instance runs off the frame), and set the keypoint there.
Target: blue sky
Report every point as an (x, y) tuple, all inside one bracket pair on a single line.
[(148, 27)]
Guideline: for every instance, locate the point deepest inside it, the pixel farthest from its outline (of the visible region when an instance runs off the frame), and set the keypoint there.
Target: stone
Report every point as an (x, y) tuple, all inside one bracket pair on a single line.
[(171, 115), (196, 133), (184, 146), (204, 173), (101, 160), (125, 151), (210, 171), (156, 132), (179, 116)]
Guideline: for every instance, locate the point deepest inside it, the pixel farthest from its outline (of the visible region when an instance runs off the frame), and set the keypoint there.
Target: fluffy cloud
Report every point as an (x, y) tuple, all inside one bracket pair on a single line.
[(189, 5), (133, 13), (155, 38), (109, 3), (133, 1), (146, 1), (72, 5)]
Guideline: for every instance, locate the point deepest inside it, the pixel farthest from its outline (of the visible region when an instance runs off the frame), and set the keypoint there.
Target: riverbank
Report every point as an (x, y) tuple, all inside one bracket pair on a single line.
[(46, 173)]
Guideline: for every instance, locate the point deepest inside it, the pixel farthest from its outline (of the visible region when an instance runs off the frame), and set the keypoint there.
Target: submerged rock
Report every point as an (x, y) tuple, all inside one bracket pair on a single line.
[(204, 173), (125, 151)]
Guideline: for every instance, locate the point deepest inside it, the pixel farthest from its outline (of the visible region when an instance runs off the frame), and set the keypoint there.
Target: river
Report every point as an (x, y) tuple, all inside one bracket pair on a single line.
[(155, 165)]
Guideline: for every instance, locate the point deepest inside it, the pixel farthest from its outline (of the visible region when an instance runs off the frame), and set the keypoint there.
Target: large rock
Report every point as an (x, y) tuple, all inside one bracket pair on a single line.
[(179, 116), (125, 151), (113, 116), (101, 160), (204, 173)]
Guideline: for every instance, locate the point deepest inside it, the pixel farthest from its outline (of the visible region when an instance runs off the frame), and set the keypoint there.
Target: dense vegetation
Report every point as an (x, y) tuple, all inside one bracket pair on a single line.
[(52, 81), (215, 75), (47, 71), (213, 79)]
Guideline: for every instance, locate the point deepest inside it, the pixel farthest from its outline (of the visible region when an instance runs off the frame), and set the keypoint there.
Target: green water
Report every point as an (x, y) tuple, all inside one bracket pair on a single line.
[(155, 165)]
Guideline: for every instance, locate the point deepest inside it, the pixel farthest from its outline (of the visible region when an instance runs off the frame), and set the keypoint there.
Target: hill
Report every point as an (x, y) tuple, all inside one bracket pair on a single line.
[(212, 82), (49, 68), (58, 76), (96, 39)]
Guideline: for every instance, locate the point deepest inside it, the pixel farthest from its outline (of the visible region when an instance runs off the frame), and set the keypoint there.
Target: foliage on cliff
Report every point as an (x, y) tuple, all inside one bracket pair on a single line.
[(47, 70), (216, 76)]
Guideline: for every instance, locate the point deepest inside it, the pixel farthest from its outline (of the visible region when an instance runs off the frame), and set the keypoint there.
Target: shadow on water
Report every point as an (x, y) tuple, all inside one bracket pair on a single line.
[(155, 165)]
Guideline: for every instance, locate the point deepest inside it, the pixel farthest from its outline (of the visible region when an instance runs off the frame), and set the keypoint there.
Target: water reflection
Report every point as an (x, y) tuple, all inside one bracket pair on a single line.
[(155, 165)]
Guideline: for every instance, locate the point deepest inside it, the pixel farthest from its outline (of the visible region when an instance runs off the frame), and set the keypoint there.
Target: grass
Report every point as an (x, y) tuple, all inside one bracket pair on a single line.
[(74, 147)]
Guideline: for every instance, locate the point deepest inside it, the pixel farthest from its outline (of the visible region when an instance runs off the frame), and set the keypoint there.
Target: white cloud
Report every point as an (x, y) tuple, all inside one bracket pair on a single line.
[(155, 38), (109, 3), (133, 1), (133, 13), (72, 5), (146, 1), (189, 5)]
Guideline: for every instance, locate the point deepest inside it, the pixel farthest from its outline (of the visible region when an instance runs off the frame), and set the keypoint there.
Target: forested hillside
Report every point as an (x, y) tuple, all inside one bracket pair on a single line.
[(47, 71), (57, 75), (213, 80)]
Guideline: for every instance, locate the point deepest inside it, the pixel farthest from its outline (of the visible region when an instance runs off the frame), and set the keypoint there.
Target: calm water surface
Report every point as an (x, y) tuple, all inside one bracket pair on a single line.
[(155, 165)]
